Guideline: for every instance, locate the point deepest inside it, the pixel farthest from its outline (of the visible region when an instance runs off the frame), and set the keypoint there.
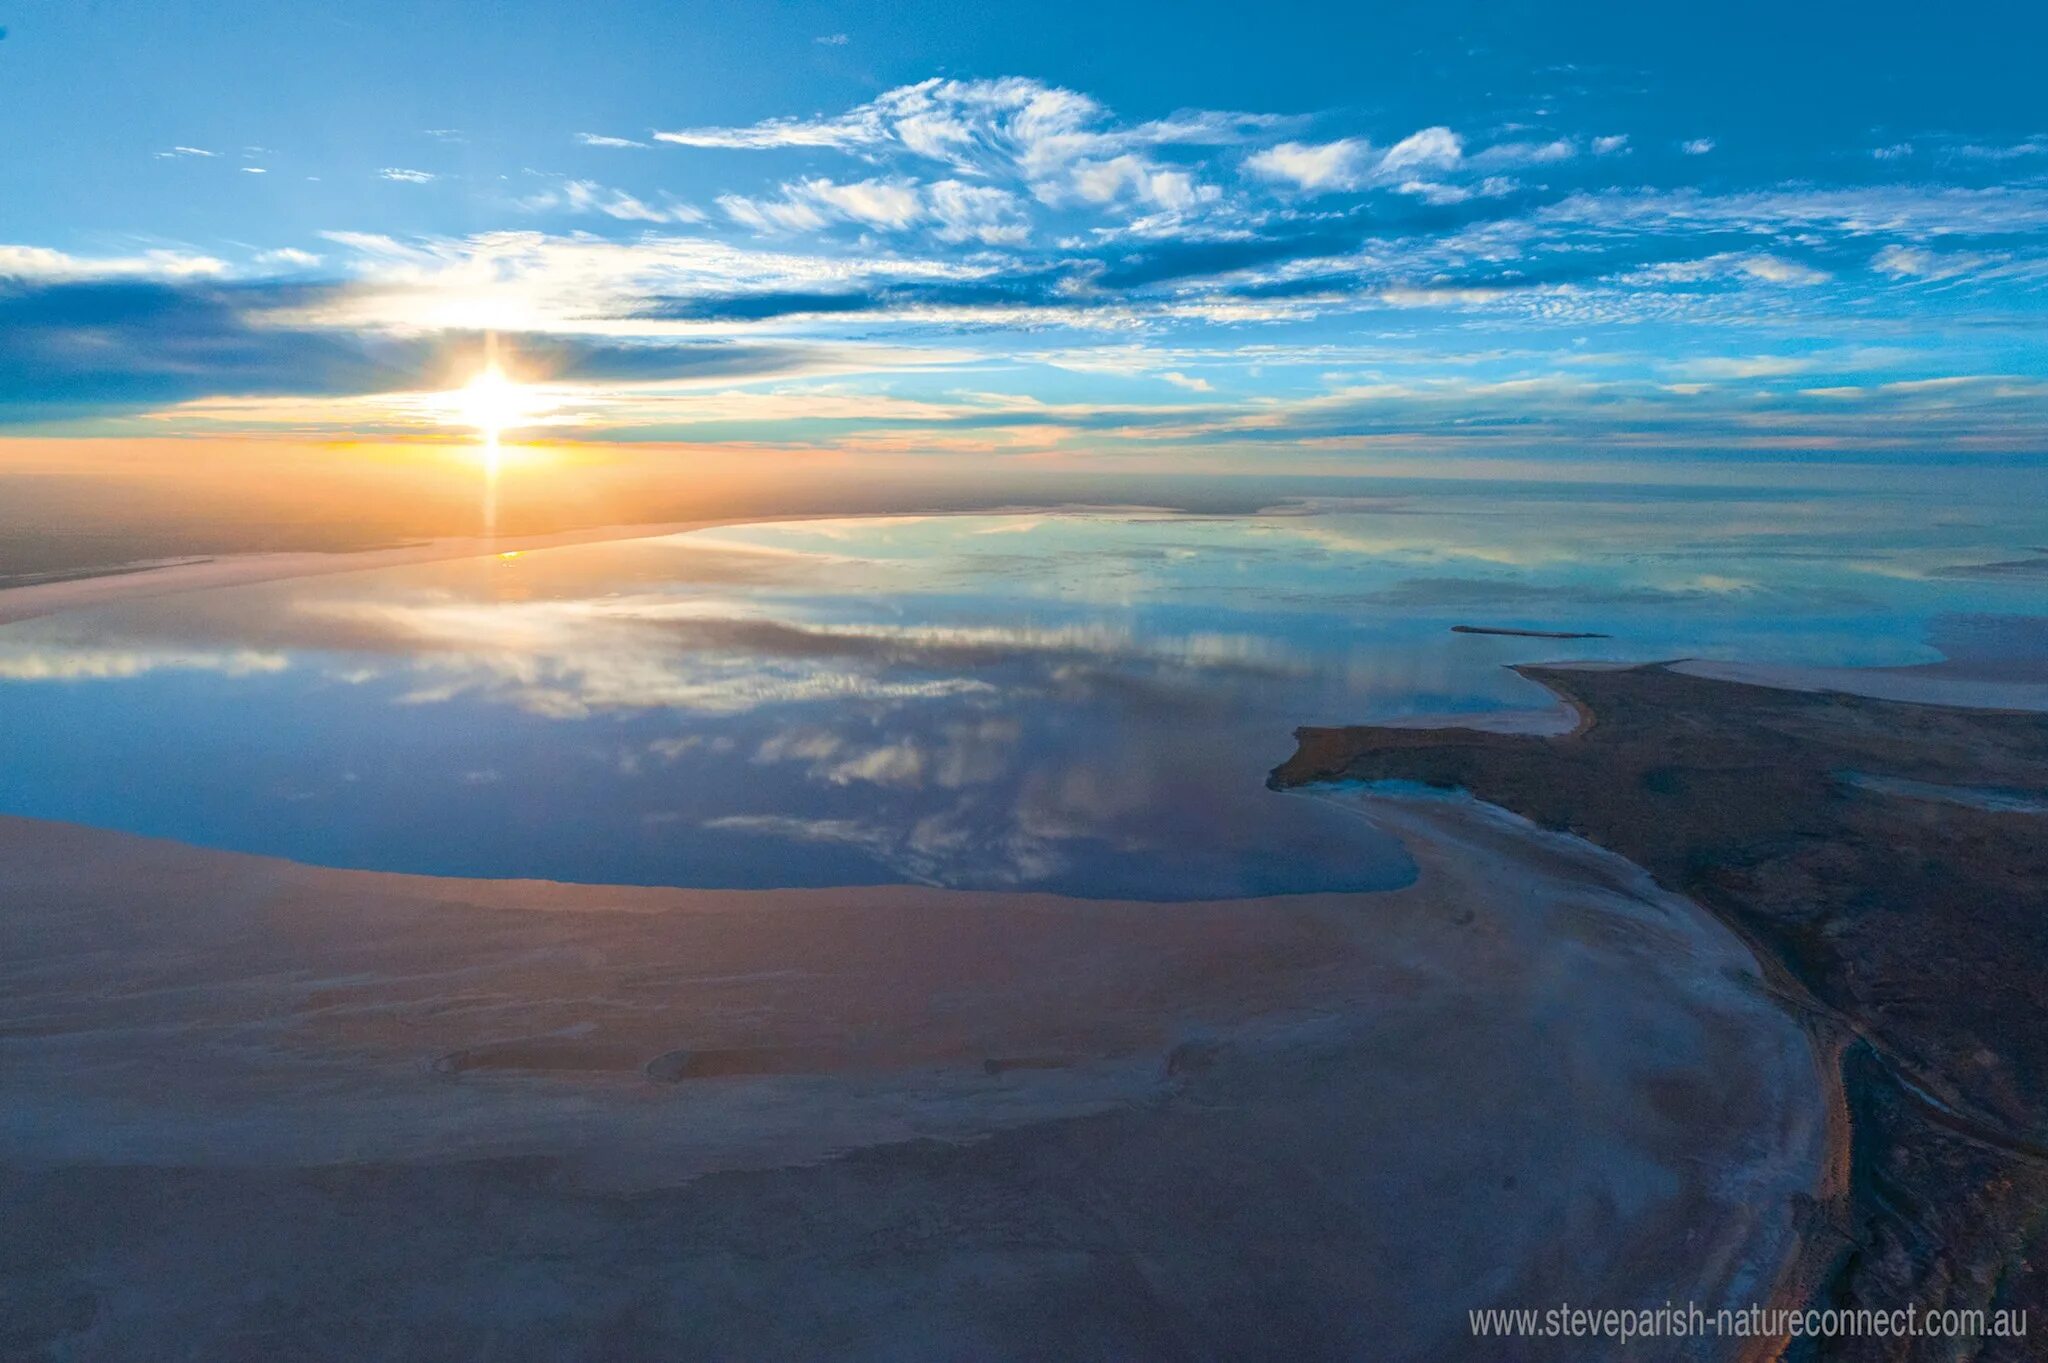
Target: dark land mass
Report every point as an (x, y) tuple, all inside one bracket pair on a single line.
[(1527, 633), (1911, 934)]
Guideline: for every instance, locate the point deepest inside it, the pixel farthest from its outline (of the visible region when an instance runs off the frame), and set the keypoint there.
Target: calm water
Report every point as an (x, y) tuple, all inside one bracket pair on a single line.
[(1080, 703)]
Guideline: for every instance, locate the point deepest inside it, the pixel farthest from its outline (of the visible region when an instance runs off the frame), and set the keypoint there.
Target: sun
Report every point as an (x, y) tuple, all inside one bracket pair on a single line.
[(494, 403)]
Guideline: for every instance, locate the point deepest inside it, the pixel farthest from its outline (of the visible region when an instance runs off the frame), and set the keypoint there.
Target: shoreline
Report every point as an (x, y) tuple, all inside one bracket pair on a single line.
[(134, 581), (1892, 923)]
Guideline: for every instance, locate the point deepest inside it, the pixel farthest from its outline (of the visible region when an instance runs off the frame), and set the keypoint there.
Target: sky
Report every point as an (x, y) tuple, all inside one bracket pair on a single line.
[(1185, 235)]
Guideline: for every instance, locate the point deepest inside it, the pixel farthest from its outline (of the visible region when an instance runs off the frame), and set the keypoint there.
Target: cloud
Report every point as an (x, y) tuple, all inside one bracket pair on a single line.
[(404, 176), (1910, 210), (1352, 163), (587, 196), (832, 40), (957, 211), (1726, 265), (1912, 262), (69, 348), (40, 264), (2033, 146), (176, 153), (1418, 164), (1510, 155), (535, 281), (1432, 148), (1128, 176), (1774, 270), (994, 209), (876, 203), (290, 257), (1698, 146), (1013, 127), (1329, 165), (983, 213), (79, 348), (787, 214), (1895, 152)]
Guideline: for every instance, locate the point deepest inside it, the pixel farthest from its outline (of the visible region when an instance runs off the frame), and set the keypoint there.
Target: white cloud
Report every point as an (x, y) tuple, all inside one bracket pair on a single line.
[(1439, 192), (603, 140), (1610, 146), (1129, 176), (1193, 385), (1912, 262), (808, 205), (254, 170), (1012, 126), (1434, 192), (1895, 152), (1508, 154), (404, 176), (587, 196), (288, 255), (1329, 165), (1698, 146), (1892, 209), (1429, 149), (964, 212), (833, 40), (878, 203), (1732, 265), (2033, 146), (772, 215), (1774, 270), (956, 211), (1353, 163), (177, 152), (42, 264), (511, 281)]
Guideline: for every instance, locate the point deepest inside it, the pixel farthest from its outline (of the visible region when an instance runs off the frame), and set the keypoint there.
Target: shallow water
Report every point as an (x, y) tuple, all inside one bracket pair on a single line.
[(1082, 703)]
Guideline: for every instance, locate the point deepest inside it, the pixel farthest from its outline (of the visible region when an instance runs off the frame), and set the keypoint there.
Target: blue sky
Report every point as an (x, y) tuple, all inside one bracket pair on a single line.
[(1203, 236)]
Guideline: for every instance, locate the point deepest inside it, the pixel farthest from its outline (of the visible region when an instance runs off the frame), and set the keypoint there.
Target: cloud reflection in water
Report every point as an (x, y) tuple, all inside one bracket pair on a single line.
[(1084, 703)]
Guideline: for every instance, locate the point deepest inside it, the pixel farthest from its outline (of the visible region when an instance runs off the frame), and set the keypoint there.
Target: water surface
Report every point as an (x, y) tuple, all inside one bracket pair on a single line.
[(1082, 703)]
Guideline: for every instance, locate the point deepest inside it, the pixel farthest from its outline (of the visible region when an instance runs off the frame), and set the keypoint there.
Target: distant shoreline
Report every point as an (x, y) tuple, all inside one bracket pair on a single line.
[(86, 588)]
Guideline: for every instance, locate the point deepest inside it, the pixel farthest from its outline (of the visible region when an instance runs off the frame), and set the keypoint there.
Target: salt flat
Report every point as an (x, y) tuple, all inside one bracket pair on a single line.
[(252, 1107)]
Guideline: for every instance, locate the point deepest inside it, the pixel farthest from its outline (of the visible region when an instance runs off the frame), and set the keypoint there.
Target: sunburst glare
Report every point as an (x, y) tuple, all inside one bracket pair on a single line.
[(493, 403)]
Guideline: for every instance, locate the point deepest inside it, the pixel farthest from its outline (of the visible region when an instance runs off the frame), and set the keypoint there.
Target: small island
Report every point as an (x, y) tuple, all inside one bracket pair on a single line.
[(1527, 633)]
